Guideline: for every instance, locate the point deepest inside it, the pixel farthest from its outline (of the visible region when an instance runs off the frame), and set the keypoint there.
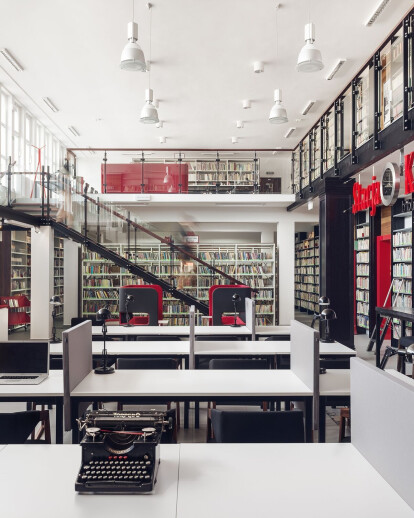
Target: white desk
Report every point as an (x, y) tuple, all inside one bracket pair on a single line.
[(160, 386), (124, 332), (49, 392), (286, 480), (40, 481), (273, 331), (334, 388)]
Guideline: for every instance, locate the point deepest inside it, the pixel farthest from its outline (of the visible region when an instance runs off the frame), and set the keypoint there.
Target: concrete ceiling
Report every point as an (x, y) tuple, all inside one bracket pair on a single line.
[(202, 57)]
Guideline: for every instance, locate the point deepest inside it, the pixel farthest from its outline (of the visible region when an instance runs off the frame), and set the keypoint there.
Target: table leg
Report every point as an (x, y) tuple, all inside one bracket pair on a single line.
[(59, 421), (322, 419), (196, 414), (378, 340), (186, 413), (308, 419), (74, 412)]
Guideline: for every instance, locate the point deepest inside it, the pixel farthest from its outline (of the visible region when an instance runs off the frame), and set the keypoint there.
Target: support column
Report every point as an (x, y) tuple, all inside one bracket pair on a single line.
[(336, 256), (70, 280), (42, 268), (286, 274)]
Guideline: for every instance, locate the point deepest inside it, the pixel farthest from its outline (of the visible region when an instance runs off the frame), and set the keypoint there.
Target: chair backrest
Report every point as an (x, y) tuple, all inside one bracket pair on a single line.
[(237, 363), (78, 320), (147, 299), (221, 301), (16, 427), (258, 426), (147, 363), (278, 338), (160, 338)]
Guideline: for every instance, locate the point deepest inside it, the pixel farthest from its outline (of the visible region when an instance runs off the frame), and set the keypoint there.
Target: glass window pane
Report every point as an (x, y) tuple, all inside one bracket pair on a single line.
[(316, 153), (3, 108), (364, 102), (305, 163), (329, 142), (344, 137), (391, 80)]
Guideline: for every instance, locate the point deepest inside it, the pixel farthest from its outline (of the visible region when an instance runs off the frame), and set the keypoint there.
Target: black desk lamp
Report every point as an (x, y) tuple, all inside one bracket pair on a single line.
[(235, 298), (129, 298), (326, 316), (54, 302), (102, 316), (323, 302)]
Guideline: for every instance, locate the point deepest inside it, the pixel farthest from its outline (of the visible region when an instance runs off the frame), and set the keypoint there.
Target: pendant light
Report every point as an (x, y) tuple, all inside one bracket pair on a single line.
[(310, 58), (132, 57), (278, 114), (149, 113)]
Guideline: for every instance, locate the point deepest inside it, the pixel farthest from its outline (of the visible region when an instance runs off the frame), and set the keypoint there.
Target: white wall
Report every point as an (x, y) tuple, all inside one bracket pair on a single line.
[(70, 280)]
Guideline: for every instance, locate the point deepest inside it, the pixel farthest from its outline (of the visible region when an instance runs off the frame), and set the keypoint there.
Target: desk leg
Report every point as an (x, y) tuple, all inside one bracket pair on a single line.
[(186, 412), (322, 419), (59, 421), (378, 340), (74, 408), (196, 414), (308, 419)]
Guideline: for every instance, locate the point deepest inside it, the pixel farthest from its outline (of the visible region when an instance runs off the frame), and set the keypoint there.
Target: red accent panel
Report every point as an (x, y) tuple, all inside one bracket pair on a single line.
[(127, 178), (384, 273)]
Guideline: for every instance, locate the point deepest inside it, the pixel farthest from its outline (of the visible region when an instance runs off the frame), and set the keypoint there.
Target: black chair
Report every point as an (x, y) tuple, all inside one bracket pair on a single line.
[(151, 364), (258, 427), (202, 363), (78, 320), (16, 427)]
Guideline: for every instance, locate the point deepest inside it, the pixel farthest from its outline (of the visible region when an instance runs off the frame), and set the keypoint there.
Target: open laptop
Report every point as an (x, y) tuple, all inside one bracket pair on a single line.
[(24, 362)]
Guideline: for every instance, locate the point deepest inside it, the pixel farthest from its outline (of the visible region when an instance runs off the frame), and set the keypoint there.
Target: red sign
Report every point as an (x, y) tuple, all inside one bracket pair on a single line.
[(366, 198), (408, 169)]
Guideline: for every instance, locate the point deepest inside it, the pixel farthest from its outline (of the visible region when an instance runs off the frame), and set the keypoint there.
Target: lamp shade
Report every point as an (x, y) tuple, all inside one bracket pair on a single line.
[(328, 314), (309, 59), (132, 58), (55, 301), (278, 114), (236, 297), (103, 314), (324, 301), (130, 298)]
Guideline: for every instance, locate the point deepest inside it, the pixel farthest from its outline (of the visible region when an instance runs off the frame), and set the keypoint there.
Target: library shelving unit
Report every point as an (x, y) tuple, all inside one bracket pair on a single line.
[(366, 230), (233, 174), (251, 264), (58, 273), (20, 257), (307, 270), (401, 264)]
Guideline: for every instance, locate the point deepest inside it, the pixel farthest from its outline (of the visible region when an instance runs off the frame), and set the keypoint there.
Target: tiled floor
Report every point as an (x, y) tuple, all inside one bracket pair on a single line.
[(199, 435)]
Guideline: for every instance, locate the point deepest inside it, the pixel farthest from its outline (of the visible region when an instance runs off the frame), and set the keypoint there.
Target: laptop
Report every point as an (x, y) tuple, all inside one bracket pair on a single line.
[(24, 363)]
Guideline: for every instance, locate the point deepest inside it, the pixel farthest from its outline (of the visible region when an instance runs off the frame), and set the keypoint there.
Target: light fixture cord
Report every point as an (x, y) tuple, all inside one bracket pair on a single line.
[(133, 10), (277, 32), (150, 47), (309, 11)]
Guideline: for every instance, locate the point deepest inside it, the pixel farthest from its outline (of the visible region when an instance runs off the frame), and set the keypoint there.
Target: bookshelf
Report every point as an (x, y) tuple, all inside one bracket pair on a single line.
[(20, 258), (362, 277), (58, 273), (253, 264), (401, 265), (307, 270), (236, 174)]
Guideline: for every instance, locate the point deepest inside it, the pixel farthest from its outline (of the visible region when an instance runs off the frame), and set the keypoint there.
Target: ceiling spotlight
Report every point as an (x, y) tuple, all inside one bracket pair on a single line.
[(12, 60), (74, 131), (258, 67), (163, 140), (149, 114), (50, 105), (307, 107), (310, 58), (234, 140), (378, 10), (246, 104), (132, 57), (335, 69), (159, 124), (239, 124), (289, 132), (278, 113)]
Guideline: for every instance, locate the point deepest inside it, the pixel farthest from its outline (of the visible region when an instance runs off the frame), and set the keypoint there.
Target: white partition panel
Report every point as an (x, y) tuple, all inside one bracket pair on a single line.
[(77, 361), (192, 337), (4, 324), (382, 420), (304, 360), (251, 316)]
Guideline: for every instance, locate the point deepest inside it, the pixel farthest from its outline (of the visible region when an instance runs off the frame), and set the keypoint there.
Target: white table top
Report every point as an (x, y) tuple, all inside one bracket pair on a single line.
[(286, 480), (239, 347), (335, 382), (170, 330), (272, 330), (198, 383), (51, 386), (39, 480)]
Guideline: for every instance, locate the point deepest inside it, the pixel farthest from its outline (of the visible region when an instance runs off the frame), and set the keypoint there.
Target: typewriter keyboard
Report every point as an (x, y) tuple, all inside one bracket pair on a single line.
[(117, 468)]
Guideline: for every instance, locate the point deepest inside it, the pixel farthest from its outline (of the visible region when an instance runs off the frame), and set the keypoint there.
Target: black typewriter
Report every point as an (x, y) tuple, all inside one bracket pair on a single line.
[(120, 451)]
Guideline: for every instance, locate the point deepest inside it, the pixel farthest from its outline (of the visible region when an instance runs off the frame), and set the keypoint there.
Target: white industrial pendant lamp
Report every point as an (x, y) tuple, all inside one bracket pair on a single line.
[(132, 57), (310, 58), (149, 113), (278, 114)]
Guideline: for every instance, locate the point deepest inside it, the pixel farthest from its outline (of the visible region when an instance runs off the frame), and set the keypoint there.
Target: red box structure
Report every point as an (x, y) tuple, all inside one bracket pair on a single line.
[(157, 178)]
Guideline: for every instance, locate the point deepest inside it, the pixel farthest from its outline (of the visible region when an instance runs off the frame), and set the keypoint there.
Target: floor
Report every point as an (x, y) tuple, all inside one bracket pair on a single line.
[(199, 435)]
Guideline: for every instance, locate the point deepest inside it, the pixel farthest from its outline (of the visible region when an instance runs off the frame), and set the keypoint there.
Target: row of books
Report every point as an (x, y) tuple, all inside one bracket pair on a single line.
[(362, 283), (310, 252), (402, 238), (101, 268), (93, 307), (363, 321), (402, 270), (308, 270), (362, 232), (363, 269), (402, 286), (20, 284), (362, 295), (363, 244), (402, 301), (362, 257), (100, 294), (363, 308), (402, 254)]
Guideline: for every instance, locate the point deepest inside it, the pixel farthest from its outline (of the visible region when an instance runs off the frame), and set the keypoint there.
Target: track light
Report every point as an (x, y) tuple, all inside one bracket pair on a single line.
[(234, 140), (307, 108), (149, 113), (246, 104), (258, 67), (310, 58), (289, 132), (50, 105), (74, 131), (163, 140), (278, 113), (378, 10), (11, 59), (132, 57), (339, 64), (239, 124)]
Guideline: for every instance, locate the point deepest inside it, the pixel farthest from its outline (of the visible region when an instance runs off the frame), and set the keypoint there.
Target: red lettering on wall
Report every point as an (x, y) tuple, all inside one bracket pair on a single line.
[(368, 198), (408, 170)]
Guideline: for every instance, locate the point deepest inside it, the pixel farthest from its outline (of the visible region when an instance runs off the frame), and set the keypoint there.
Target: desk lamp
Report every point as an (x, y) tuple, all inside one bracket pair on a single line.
[(54, 302), (129, 298), (235, 298), (323, 302), (326, 316), (102, 316)]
